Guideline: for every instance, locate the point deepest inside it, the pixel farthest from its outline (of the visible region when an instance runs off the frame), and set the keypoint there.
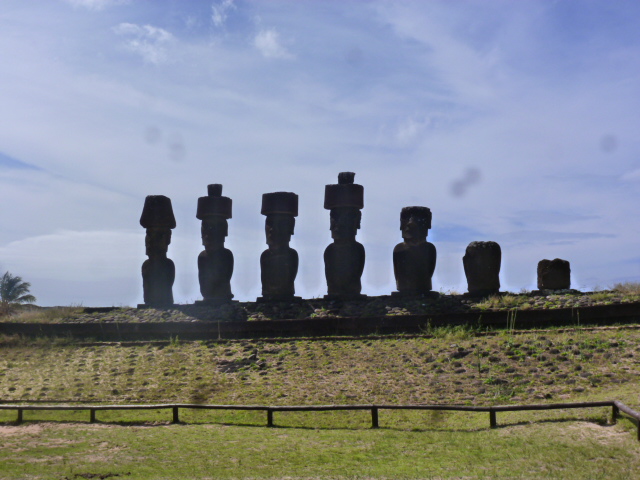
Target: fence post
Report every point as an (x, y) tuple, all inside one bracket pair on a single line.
[(615, 411), (92, 415), (374, 417), (492, 419), (176, 418), (19, 419), (269, 417)]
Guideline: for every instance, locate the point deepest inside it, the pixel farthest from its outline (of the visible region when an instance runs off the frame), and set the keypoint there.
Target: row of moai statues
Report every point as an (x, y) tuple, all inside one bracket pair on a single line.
[(414, 259)]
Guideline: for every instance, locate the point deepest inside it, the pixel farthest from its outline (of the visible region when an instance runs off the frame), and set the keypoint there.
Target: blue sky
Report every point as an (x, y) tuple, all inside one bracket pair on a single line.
[(514, 121)]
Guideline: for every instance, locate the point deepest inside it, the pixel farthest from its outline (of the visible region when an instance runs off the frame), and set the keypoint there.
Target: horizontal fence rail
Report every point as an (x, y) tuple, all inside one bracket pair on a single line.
[(615, 405)]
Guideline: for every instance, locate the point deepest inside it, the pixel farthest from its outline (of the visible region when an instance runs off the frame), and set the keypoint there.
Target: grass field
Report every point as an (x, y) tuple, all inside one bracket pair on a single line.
[(454, 366)]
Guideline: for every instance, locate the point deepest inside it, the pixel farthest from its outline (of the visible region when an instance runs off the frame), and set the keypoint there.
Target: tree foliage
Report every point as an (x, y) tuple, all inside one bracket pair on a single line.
[(14, 291)]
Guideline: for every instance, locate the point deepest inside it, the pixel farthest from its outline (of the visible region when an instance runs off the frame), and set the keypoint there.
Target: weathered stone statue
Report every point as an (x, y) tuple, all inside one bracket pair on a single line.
[(554, 274), (482, 268), (158, 271), (279, 263), (344, 258), (215, 263), (414, 260)]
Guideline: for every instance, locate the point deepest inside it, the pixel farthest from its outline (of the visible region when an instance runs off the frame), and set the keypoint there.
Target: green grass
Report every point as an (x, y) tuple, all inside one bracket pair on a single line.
[(427, 445), (454, 366), (29, 314)]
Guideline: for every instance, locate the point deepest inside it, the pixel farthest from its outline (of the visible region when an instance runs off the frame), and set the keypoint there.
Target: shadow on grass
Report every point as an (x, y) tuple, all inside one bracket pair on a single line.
[(603, 422)]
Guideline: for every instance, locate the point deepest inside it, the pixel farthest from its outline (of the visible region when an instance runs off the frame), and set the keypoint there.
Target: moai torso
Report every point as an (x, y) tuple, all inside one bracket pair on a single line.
[(482, 268), (343, 267), (278, 271), (215, 269), (554, 274), (158, 275)]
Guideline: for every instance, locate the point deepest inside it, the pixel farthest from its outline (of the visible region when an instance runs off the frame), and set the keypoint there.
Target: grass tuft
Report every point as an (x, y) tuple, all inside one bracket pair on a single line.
[(627, 288)]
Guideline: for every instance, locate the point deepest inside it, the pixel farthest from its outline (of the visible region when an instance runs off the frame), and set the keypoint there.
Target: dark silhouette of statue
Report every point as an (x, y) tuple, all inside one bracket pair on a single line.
[(279, 263), (554, 274), (215, 263), (414, 260), (158, 271), (482, 268), (344, 258)]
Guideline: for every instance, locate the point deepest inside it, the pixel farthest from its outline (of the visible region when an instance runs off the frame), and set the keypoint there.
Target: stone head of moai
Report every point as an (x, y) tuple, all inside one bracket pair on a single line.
[(214, 210), (482, 268), (280, 208), (158, 272), (215, 263), (414, 260), (415, 223), (344, 200), (157, 217), (554, 274), (344, 258)]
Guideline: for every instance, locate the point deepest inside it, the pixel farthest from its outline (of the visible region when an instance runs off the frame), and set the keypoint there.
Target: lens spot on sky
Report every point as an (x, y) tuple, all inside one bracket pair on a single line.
[(608, 143), (472, 176), (177, 150), (152, 135), (354, 56)]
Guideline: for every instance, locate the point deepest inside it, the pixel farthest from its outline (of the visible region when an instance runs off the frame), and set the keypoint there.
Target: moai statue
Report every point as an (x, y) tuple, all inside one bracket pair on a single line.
[(279, 263), (215, 263), (344, 258), (158, 271), (482, 268), (414, 260), (554, 274)]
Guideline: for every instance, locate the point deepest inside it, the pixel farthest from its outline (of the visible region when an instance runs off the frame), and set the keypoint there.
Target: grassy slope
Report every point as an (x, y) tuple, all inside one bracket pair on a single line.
[(453, 367)]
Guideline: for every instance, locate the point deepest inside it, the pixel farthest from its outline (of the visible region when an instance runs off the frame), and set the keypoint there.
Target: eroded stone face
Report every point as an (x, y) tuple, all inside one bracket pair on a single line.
[(157, 242), (213, 232), (278, 229), (414, 260), (344, 223), (415, 223), (482, 268), (554, 274)]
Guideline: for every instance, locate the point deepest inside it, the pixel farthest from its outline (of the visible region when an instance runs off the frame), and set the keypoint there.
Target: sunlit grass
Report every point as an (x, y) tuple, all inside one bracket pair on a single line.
[(41, 315)]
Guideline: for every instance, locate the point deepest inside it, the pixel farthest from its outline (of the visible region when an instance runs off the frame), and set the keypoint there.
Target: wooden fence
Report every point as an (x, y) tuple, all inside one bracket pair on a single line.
[(615, 405)]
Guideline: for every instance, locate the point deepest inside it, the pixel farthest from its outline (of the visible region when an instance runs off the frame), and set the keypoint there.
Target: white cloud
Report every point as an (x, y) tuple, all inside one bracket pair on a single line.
[(146, 40), (269, 45), (96, 4), (220, 12), (633, 176)]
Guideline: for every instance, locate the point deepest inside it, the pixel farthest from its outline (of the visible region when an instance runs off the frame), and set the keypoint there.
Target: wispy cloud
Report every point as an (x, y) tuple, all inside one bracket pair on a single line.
[(220, 12), (97, 5), (269, 44), (146, 40)]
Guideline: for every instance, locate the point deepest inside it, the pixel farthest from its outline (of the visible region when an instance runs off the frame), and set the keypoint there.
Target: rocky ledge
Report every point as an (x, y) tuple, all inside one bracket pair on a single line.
[(322, 308)]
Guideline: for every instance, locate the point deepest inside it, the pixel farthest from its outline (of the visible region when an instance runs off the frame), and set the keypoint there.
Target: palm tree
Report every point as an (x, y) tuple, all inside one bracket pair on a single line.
[(13, 290)]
